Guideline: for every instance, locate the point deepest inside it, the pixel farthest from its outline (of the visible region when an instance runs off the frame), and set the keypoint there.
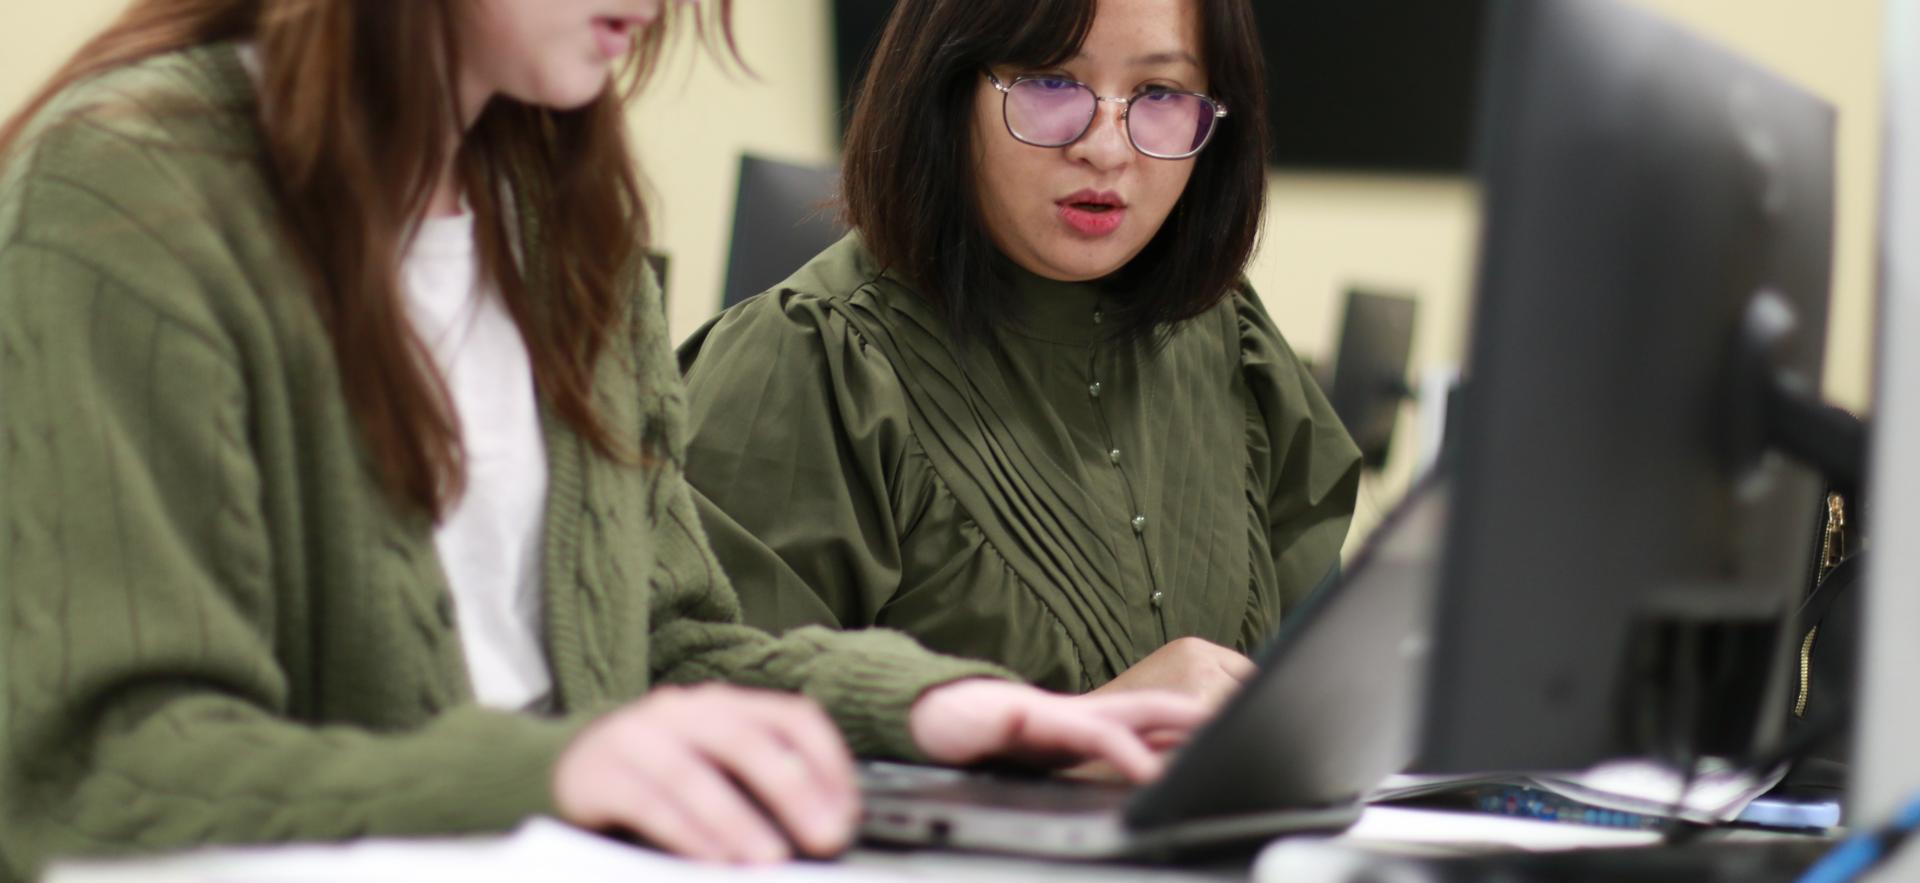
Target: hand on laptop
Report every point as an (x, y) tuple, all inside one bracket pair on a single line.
[(1191, 666), (714, 773), (976, 720)]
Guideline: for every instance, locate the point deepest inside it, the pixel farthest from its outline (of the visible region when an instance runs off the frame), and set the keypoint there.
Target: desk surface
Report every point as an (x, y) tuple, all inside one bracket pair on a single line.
[(544, 849)]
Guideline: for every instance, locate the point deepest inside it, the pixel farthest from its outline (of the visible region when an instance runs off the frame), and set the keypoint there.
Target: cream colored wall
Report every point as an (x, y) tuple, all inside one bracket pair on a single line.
[(1324, 234), (1327, 233), (36, 36), (696, 120)]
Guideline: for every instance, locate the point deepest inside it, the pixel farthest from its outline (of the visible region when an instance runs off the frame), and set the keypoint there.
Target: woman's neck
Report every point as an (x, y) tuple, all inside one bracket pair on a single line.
[(445, 201)]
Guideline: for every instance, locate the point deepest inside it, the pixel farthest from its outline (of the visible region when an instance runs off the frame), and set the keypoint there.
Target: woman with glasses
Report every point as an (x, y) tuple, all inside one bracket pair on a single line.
[(342, 456), (1029, 411)]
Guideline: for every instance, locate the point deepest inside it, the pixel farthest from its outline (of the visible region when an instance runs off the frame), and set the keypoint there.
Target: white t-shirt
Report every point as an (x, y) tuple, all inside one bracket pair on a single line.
[(491, 543)]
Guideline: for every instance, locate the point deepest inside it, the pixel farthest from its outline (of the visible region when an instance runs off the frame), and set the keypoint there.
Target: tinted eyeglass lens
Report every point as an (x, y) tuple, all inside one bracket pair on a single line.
[(1049, 112), (1170, 124)]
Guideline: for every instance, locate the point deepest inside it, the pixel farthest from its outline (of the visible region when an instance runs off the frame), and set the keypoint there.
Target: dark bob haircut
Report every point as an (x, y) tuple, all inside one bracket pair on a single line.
[(909, 181)]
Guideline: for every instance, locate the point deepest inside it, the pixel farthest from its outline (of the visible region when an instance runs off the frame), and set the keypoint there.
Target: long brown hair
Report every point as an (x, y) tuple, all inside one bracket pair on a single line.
[(356, 119)]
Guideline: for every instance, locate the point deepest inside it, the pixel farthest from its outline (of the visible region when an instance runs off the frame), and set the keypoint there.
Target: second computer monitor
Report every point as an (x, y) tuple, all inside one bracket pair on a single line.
[(1622, 556)]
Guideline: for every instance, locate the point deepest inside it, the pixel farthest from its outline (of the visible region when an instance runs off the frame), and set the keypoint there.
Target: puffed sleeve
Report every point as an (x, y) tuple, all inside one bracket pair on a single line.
[(798, 441), (1304, 463)]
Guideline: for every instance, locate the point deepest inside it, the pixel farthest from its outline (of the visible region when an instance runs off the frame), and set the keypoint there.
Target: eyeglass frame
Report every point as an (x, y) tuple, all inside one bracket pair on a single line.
[(1006, 92)]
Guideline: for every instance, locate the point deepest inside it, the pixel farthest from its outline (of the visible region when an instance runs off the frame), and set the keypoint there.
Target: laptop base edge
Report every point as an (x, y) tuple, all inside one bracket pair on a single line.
[(1082, 836)]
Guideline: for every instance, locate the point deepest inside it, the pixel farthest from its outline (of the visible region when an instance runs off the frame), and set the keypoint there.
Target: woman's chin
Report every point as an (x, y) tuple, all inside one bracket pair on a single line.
[(579, 98), (1081, 264), (569, 92)]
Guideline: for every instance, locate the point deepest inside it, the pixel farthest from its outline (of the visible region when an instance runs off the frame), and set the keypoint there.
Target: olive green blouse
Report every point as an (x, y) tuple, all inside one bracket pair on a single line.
[(1061, 504)]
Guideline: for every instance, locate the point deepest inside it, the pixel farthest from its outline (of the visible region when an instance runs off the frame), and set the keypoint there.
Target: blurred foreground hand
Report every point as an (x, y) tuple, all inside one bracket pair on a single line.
[(725, 774)]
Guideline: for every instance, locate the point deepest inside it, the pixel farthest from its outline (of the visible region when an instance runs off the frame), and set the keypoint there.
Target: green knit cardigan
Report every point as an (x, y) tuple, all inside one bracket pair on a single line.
[(215, 626)]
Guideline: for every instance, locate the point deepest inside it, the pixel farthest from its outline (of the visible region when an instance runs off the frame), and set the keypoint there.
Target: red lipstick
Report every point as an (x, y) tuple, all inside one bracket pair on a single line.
[(1093, 214)]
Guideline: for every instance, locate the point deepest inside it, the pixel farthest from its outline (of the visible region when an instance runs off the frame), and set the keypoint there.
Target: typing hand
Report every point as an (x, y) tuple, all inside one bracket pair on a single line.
[(715, 773), (977, 720), (1201, 669)]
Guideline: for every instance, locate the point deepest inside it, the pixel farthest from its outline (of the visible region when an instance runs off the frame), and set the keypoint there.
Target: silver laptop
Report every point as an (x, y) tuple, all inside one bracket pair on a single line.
[(1329, 714)]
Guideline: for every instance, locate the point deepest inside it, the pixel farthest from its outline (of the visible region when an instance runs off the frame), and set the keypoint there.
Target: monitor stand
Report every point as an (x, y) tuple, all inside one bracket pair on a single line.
[(1774, 409)]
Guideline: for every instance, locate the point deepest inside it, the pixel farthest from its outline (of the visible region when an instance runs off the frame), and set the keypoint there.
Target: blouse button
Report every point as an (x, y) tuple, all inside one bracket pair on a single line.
[(1113, 456), (1139, 524), (1158, 598), (1098, 317), (1093, 389)]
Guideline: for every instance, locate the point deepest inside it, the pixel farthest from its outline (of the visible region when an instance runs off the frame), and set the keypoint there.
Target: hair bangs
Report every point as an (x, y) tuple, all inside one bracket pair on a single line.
[(1044, 39)]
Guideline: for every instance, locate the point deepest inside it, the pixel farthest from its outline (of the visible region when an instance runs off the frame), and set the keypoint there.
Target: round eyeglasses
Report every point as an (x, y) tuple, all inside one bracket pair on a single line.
[(1053, 111)]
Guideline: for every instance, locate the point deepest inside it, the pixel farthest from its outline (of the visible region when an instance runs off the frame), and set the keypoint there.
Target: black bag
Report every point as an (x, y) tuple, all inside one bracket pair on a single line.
[(1829, 637)]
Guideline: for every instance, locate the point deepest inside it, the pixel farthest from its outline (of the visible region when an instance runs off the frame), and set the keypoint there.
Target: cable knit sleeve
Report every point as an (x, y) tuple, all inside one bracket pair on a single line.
[(145, 706)]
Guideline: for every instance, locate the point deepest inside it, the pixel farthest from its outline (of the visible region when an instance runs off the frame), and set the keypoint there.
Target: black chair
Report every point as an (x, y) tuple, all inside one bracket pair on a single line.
[(785, 214)]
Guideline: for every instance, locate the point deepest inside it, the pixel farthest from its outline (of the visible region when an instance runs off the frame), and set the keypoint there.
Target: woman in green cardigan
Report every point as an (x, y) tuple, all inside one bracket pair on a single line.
[(1029, 411), (341, 465)]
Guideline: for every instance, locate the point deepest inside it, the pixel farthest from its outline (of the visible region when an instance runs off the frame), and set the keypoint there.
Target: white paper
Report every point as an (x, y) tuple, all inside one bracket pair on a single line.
[(541, 849), (1385, 835), (1393, 826), (1717, 795)]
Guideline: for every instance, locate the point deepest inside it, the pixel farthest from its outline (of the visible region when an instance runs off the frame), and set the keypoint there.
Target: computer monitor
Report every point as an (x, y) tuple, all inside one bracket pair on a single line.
[(1885, 774), (1624, 549), (782, 217), (1370, 374)]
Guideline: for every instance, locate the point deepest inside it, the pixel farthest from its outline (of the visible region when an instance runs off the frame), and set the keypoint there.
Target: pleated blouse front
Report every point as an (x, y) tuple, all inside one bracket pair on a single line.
[(1061, 503)]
